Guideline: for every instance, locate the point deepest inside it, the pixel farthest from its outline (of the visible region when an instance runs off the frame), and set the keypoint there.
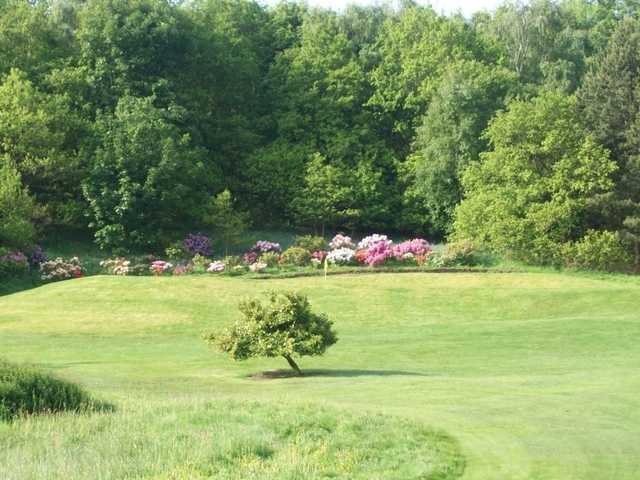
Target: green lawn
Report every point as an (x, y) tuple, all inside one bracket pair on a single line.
[(535, 375)]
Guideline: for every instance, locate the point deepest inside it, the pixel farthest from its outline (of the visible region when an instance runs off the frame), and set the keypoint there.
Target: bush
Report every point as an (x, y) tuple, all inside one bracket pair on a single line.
[(17, 209), (295, 256), (13, 264), (341, 256), (61, 269), (24, 390), (460, 253), (284, 327), (271, 259), (311, 243), (199, 263), (597, 250), (197, 244)]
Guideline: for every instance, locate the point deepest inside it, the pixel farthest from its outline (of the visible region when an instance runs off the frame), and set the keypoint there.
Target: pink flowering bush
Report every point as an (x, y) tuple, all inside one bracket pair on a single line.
[(411, 249), (341, 241), (160, 266), (319, 255), (378, 253), (13, 263)]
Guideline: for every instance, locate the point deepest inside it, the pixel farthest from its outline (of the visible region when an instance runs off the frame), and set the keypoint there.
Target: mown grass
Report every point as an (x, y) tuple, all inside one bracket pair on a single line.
[(534, 374)]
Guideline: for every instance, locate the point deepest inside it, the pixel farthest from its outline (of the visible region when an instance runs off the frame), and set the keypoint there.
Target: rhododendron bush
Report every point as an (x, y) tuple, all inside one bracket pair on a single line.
[(61, 269)]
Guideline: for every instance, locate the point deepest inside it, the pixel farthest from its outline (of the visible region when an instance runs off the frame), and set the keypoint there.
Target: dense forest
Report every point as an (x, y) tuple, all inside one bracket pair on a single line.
[(517, 129)]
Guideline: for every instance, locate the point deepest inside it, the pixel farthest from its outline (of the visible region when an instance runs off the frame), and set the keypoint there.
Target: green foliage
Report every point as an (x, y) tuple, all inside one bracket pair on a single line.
[(529, 195), (17, 209), (271, 259), (597, 250), (311, 243), (230, 224), (147, 178), (297, 256), (25, 390), (449, 139), (461, 252), (285, 326)]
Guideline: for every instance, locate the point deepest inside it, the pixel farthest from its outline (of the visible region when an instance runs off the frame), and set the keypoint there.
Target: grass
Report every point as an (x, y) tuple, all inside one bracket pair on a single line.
[(533, 374)]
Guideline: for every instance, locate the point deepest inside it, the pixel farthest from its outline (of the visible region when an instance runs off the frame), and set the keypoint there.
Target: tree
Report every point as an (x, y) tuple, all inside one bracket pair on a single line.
[(230, 223), (147, 179), (17, 209), (326, 198), (529, 195), (285, 327), (450, 138)]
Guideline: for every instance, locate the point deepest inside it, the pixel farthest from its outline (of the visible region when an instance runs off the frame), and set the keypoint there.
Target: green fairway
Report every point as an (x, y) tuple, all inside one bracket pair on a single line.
[(534, 375)]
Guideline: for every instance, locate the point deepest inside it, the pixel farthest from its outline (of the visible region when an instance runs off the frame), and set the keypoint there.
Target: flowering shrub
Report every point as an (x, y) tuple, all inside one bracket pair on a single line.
[(250, 258), (116, 266), (316, 262), (361, 256), (379, 252), (198, 244), (258, 267), (341, 241), (319, 255), (216, 267), (37, 256), (182, 270), (160, 266), (61, 269), (411, 249), (367, 242), (199, 263), (263, 246), (341, 256), (13, 263)]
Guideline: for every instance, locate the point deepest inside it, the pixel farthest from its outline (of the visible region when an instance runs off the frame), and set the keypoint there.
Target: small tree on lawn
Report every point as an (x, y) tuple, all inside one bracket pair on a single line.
[(285, 326)]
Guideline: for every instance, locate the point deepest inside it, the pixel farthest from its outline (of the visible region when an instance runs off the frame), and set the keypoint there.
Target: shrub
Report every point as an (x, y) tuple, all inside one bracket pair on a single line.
[(232, 261), (37, 256), (61, 269), (176, 251), (182, 270), (413, 249), (367, 242), (258, 267), (264, 246), (24, 390), (296, 256), (199, 263), (341, 256), (13, 264), (285, 327), (310, 243), (116, 266), (197, 244), (159, 267), (216, 267), (17, 209), (597, 250), (461, 252), (361, 256), (270, 258), (378, 253), (341, 241)]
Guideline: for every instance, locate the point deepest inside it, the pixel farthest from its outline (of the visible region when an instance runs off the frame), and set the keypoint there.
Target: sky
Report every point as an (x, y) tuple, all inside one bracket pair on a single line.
[(467, 7)]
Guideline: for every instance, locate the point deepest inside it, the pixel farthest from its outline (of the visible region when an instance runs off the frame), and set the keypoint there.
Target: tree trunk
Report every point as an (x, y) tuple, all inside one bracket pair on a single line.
[(293, 364)]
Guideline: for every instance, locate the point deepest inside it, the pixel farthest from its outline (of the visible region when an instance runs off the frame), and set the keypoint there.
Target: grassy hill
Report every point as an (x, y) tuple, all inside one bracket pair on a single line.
[(533, 374)]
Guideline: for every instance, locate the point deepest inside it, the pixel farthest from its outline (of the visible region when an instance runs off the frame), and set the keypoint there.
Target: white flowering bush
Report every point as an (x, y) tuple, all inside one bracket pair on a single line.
[(61, 269), (371, 240), (341, 241), (258, 267), (341, 256), (116, 266), (216, 267)]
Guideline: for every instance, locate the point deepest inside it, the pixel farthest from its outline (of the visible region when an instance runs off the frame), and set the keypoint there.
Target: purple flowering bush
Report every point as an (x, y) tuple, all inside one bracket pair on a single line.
[(264, 246), (13, 263), (198, 244)]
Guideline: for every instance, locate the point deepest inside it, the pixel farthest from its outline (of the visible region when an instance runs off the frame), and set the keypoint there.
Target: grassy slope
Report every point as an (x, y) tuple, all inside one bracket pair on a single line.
[(535, 374)]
